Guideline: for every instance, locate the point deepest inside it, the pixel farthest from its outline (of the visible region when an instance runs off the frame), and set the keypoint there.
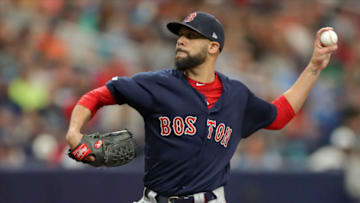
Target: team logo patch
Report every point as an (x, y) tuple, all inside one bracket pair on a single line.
[(190, 17), (98, 144)]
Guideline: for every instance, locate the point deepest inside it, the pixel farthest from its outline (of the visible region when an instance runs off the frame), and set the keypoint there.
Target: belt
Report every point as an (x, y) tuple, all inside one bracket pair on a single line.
[(182, 199)]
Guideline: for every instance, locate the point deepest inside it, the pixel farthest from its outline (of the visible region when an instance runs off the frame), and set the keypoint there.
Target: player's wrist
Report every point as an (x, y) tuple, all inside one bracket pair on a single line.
[(73, 138), (314, 69)]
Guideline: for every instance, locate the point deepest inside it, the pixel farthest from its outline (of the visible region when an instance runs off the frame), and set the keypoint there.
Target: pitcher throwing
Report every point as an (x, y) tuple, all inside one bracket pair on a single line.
[(195, 116)]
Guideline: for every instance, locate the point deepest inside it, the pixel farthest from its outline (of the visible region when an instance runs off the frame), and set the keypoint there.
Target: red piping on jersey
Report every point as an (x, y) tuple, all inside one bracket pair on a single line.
[(97, 98), (285, 113)]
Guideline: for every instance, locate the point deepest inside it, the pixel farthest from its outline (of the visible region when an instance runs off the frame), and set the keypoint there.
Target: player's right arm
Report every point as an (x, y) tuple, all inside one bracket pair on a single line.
[(79, 116), (86, 108), (135, 91)]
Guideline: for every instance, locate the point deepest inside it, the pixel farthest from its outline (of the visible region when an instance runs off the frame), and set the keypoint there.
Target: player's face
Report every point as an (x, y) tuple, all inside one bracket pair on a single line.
[(191, 49)]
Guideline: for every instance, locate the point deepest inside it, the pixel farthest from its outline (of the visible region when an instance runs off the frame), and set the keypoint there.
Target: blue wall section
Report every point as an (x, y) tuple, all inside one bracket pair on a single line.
[(287, 188), (111, 186)]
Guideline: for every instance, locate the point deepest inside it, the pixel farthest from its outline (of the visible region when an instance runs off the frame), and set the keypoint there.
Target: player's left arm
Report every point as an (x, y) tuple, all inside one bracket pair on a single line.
[(299, 91), (292, 100)]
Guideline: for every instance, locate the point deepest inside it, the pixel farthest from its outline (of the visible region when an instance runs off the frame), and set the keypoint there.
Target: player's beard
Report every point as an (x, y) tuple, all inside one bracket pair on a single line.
[(190, 61)]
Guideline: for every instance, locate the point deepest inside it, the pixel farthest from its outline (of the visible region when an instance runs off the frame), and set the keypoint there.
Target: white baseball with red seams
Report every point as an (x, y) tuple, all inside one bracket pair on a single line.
[(328, 38)]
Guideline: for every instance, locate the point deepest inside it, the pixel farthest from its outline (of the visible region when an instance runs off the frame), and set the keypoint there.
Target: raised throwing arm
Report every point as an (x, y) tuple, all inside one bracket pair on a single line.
[(299, 91)]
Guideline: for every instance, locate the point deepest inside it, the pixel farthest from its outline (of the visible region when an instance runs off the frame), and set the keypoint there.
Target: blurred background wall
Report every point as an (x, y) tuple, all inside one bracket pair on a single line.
[(54, 51)]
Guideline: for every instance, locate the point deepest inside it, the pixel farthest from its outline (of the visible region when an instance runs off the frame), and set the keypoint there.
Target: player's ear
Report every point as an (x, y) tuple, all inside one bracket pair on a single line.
[(214, 47)]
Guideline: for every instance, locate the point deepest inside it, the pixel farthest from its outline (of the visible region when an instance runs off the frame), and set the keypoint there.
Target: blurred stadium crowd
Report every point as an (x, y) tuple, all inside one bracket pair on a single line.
[(53, 51)]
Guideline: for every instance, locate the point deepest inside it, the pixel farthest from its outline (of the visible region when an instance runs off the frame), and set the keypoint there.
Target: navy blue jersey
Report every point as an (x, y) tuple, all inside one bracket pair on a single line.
[(188, 146)]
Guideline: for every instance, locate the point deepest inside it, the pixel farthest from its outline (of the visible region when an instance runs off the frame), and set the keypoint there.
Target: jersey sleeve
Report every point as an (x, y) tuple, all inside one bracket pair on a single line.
[(134, 91), (258, 114), (97, 98), (285, 113)]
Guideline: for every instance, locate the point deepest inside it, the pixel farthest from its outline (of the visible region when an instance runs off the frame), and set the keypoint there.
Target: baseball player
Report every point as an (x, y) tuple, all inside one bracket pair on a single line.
[(195, 116)]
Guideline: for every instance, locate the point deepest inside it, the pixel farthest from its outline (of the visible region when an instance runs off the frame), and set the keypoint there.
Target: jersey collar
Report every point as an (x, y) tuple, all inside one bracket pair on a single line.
[(225, 83)]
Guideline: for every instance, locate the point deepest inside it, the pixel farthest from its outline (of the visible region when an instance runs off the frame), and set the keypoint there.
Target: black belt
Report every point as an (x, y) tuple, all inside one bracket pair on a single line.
[(181, 199)]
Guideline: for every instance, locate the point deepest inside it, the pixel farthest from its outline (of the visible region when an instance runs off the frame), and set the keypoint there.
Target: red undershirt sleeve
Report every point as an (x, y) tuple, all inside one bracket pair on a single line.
[(97, 98), (285, 113)]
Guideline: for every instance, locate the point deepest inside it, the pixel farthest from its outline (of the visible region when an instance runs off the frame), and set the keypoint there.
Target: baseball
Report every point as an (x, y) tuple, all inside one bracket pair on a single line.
[(328, 38)]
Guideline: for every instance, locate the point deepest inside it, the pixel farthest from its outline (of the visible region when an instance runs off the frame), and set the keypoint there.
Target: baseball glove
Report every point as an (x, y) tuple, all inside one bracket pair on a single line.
[(109, 149)]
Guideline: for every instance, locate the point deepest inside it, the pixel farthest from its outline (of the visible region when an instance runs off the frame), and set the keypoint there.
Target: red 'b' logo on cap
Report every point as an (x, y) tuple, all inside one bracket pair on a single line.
[(190, 17)]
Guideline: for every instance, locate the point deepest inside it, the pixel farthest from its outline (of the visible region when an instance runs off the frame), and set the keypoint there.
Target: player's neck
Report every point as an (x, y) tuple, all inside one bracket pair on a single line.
[(204, 73)]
